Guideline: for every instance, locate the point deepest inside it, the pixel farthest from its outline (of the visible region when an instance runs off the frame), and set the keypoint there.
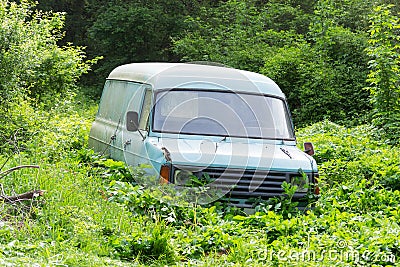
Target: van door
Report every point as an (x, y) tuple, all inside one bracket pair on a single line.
[(134, 150), (109, 119), (107, 132)]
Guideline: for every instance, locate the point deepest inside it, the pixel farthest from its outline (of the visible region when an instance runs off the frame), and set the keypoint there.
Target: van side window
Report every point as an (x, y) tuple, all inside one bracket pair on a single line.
[(113, 92), (144, 116), (118, 97)]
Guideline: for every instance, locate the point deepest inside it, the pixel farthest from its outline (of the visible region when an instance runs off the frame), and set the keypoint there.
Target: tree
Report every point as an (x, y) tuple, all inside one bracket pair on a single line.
[(321, 70), (31, 61), (137, 31), (76, 18), (384, 76), (34, 69)]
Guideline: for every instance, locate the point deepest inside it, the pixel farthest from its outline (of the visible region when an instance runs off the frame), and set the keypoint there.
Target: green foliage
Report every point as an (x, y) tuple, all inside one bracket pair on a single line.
[(52, 134), (349, 14), (77, 14), (350, 155), (92, 215), (35, 70), (388, 124), (362, 196), (317, 89), (145, 246), (320, 64), (136, 31), (114, 170), (291, 15), (384, 50), (283, 204), (31, 60), (233, 34)]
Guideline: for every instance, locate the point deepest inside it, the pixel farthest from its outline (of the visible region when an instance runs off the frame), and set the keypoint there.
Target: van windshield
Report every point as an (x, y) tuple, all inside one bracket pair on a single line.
[(221, 113)]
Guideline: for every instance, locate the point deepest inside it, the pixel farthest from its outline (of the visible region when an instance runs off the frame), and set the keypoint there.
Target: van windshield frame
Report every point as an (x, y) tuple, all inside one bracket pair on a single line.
[(221, 113)]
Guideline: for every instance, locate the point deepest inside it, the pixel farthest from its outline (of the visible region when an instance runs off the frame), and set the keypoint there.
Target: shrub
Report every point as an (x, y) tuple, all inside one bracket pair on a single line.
[(35, 70), (384, 52), (31, 61), (350, 154), (146, 246)]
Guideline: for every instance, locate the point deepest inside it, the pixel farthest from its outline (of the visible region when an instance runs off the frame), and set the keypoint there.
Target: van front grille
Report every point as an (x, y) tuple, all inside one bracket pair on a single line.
[(245, 184)]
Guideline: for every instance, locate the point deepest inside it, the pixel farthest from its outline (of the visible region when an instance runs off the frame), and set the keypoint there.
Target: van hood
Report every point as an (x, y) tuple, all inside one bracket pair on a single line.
[(260, 155)]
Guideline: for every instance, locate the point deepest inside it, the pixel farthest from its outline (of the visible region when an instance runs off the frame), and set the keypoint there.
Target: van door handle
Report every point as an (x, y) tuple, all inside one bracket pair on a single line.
[(127, 143)]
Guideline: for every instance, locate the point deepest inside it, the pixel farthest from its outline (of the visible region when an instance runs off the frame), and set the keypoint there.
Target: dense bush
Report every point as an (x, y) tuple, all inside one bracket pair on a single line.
[(36, 72), (350, 155), (135, 31), (384, 51), (322, 70), (31, 61), (51, 133)]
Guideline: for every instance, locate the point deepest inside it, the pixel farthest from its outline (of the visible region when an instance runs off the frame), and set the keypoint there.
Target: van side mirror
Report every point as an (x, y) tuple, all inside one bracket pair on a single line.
[(309, 148), (132, 121)]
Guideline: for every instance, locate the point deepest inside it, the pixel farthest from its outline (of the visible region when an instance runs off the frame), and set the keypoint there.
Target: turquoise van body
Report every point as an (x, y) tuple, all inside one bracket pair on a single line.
[(191, 120)]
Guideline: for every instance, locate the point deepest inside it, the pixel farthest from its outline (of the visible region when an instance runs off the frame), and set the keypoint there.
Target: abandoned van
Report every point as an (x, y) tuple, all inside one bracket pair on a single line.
[(229, 127)]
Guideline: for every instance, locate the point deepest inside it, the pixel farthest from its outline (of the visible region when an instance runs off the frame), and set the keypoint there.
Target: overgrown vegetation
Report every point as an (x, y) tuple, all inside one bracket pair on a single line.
[(91, 212), (36, 73), (384, 50), (319, 52), (314, 50), (317, 57)]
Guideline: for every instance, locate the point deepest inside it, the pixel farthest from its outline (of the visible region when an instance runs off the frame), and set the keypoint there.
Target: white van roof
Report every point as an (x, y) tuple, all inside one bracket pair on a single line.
[(196, 76)]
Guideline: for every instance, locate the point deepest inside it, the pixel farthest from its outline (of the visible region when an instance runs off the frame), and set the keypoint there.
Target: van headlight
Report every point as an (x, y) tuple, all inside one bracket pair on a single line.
[(183, 177), (301, 182)]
